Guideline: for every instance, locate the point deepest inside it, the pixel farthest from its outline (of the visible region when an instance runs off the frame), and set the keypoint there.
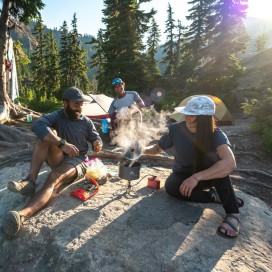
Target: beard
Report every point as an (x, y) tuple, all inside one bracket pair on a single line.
[(73, 114)]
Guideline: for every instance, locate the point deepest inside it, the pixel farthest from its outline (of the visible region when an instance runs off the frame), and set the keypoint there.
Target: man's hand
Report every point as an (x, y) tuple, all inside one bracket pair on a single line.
[(187, 186), (97, 146), (70, 150)]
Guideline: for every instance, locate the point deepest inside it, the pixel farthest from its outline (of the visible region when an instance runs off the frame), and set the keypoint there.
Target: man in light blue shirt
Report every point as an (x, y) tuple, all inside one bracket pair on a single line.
[(124, 98), (122, 103)]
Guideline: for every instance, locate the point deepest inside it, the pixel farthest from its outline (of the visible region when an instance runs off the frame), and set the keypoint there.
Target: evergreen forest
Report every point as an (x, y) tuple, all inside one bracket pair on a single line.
[(199, 57)]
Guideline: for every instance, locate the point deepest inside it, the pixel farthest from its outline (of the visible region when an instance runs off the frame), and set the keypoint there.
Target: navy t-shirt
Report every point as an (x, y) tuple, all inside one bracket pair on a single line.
[(182, 141), (77, 132)]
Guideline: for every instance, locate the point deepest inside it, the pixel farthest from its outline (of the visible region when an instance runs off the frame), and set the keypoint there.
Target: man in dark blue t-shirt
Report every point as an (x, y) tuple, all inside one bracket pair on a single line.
[(62, 141)]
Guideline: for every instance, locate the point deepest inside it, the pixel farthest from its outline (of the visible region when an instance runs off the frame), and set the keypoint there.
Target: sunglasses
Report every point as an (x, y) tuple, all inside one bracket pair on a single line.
[(116, 81)]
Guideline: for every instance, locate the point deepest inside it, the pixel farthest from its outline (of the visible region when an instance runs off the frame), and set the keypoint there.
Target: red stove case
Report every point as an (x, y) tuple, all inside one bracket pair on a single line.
[(86, 192), (153, 182)]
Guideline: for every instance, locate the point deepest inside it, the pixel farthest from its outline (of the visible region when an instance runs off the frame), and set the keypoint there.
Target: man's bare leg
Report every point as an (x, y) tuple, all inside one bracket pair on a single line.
[(43, 151), (59, 176), (13, 221)]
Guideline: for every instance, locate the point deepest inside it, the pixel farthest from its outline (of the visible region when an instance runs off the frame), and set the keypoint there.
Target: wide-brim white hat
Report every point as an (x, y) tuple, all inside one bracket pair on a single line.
[(198, 105)]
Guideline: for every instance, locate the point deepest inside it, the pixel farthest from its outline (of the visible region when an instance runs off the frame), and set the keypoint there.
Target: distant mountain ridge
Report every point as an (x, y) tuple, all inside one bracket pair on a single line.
[(26, 37), (258, 73), (255, 27)]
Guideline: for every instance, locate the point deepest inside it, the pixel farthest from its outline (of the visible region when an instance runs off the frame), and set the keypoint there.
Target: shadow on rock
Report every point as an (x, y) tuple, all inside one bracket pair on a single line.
[(146, 237)]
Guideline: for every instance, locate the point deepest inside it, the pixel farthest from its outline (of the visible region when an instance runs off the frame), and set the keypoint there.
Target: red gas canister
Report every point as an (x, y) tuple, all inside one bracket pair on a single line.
[(153, 182)]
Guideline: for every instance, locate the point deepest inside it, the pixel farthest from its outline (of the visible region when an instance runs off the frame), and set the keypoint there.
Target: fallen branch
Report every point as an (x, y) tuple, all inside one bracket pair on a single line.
[(253, 171), (35, 113), (15, 135), (11, 159), (246, 153), (162, 160), (117, 156)]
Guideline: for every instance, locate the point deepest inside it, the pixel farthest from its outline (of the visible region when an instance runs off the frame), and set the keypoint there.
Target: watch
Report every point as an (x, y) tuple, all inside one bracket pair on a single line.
[(61, 143)]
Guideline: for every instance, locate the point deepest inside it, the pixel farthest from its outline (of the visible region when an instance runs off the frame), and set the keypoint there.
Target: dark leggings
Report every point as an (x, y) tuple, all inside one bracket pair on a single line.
[(222, 185)]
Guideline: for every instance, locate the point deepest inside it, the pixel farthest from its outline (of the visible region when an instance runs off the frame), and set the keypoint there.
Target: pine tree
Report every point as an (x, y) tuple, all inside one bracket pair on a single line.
[(169, 46), (98, 59), (52, 70), (152, 48), (226, 40), (195, 41), (178, 48), (197, 30), (261, 42), (38, 61), (77, 59), (216, 36), (64, 57), (122, 46), (22, 65)]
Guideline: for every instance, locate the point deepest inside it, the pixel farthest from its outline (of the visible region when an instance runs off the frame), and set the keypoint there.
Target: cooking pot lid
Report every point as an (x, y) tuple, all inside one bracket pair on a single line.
[(133, 151)]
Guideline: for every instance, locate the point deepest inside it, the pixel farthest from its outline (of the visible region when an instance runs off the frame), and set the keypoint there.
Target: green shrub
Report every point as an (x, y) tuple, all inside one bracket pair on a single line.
[(45, 106), (261, 110), (39, 104)]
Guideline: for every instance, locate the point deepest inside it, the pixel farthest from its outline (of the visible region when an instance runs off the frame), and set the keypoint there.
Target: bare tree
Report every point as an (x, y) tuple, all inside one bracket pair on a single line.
[(12, 11)]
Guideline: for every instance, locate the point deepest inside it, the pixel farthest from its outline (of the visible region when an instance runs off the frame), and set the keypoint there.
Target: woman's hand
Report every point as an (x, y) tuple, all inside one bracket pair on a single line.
[(187, 186)]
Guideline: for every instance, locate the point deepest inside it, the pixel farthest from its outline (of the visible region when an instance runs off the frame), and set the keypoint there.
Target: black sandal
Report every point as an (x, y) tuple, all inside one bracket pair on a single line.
[(226, 221), (240, 202)]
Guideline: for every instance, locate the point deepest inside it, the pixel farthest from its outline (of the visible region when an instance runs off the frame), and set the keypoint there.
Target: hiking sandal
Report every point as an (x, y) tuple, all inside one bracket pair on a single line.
[(226, 221), (240, 202), (215, 196)]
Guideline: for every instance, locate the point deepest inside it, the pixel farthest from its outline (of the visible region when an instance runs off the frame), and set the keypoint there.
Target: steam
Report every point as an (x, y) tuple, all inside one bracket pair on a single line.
[(138, 128)]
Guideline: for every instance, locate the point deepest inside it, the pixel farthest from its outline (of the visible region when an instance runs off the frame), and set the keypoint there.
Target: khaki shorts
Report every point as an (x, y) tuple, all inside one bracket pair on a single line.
[(78, 164)]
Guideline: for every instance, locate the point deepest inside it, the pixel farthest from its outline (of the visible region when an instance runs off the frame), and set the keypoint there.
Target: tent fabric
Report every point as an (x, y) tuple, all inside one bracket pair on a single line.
[(222, 115), (98, 106), (13, 89)]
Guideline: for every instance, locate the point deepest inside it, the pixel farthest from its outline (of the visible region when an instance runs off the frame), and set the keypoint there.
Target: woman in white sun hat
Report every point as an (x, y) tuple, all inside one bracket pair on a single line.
[(203, 160)]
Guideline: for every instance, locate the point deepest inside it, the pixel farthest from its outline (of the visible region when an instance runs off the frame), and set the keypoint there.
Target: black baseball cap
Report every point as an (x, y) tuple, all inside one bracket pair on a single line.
[(75, 94)]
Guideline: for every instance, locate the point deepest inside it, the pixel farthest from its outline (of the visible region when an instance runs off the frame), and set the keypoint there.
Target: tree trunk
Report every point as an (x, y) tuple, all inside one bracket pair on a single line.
[(7, 106)]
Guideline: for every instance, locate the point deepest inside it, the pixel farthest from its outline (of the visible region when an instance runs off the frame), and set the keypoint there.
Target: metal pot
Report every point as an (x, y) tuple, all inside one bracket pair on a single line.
[(129, 170), (133, 151)]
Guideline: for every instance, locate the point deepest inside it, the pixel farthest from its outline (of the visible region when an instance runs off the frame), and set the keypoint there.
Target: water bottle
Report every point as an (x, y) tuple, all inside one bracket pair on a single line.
[(105, 126), (29, 117)]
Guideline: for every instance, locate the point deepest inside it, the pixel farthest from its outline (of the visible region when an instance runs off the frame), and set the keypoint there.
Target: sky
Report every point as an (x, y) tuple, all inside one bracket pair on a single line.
[(89, 12)]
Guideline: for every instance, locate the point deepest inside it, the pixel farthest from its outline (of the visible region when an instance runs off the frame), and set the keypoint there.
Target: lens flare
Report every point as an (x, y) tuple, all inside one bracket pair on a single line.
[(157, 95)]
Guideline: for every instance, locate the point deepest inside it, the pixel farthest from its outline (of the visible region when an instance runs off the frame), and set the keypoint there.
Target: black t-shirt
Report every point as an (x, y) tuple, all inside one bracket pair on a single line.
[(182, 141)]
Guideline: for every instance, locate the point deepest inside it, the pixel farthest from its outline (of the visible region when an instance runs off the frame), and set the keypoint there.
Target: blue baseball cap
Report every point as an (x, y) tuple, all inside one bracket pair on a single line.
[(116, 81)]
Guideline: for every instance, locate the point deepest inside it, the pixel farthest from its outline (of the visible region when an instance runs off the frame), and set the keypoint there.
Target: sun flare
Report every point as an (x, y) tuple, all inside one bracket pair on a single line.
[(259, 9)]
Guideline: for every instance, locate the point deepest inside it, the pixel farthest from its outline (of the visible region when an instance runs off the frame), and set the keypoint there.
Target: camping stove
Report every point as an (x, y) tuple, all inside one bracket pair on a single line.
[(129, 167), (129, 170)]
